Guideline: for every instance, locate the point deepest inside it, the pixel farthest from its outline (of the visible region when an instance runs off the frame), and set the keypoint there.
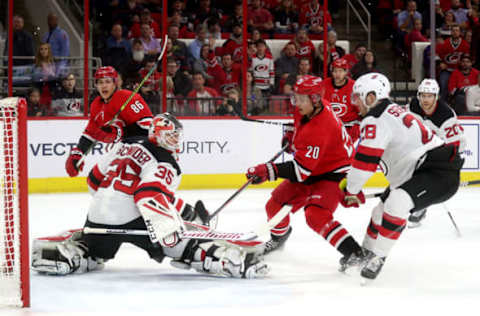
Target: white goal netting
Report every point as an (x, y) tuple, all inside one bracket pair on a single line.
[(10, 268)]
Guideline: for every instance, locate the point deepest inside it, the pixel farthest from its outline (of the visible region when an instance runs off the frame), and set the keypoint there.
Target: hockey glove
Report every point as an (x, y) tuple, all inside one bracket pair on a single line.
[(108, 134), (263, 172), (71, 164), (287, 138), (350, 199)]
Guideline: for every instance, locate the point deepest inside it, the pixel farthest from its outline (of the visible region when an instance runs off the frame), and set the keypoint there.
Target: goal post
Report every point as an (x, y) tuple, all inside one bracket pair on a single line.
[(14, 247)]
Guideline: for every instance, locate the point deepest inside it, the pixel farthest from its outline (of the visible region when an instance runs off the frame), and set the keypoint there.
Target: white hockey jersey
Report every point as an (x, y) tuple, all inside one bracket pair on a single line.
[(443, 122), (133, 170), (263, 71), (394, 138)]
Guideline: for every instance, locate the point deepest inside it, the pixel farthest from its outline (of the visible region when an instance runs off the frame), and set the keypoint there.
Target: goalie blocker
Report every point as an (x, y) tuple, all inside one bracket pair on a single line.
[(139, 172)]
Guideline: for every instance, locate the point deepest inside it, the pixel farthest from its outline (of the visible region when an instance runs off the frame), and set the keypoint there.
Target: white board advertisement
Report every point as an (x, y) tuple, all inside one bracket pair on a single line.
[(217, 146)]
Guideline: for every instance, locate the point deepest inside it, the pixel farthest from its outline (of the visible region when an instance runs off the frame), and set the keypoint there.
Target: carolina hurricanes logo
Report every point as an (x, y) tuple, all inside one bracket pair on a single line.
[(339, 109), (237, 52), (304, 50), (261, 68), (74, 106), (453, 58)]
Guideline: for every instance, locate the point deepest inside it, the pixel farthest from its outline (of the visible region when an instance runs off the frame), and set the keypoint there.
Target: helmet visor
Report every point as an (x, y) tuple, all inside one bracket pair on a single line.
[(297, 99)]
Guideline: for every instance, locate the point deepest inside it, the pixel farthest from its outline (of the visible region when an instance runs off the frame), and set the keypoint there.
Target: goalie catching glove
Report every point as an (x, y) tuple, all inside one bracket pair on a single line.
[(350, 199)]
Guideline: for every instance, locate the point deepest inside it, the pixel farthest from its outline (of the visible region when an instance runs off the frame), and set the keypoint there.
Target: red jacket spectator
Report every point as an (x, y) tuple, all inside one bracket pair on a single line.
[(451, 50), (463, 77), (204, 105), (135, 31), (226, 76), (305, 47)]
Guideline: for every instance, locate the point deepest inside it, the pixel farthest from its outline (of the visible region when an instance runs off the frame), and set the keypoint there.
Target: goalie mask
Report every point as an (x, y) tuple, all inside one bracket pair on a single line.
[(166, 131), (375, 83), (307, 86)]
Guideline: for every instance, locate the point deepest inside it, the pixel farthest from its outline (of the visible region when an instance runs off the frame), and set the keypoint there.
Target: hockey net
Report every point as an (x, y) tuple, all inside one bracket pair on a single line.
[(14, 257)]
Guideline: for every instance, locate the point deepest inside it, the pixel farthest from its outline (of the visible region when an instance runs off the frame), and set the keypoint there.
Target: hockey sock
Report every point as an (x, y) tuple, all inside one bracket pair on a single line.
[(372, 229), (272, 208), (388, 234)]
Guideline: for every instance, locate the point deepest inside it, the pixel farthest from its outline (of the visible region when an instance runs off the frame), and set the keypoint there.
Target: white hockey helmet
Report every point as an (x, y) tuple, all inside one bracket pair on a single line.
[(166, 131), (371, 83), (428, 86)]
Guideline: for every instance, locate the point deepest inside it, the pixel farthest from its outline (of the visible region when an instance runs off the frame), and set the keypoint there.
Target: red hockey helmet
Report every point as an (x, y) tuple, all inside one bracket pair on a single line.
[(309, 85), (106, 72), (340, 63), (166, 131)]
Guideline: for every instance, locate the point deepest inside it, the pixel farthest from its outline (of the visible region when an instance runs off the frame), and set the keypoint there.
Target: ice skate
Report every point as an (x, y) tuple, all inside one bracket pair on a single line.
[(415, 218), (276, 242), (358, 259), (373, 268)]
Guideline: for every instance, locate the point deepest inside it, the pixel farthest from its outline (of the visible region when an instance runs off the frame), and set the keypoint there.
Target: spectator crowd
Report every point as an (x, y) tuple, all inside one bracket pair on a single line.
[(204, 53)]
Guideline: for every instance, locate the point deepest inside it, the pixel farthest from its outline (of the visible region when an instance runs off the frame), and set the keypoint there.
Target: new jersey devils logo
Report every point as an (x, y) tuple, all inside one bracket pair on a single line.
[(339, 109), (261, 68)]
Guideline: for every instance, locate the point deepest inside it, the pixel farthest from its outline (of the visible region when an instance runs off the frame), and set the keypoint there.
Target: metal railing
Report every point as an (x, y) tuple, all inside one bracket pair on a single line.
[(24, 75), (278, 105), (366, 26)]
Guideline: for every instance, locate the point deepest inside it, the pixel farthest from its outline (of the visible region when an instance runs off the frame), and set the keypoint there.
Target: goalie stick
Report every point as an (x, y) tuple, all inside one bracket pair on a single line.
[(243, 187), (203, 232), (164, 48)]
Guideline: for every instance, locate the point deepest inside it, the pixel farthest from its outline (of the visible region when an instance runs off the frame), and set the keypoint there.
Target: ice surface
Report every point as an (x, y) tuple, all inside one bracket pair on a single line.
[(429, 272)]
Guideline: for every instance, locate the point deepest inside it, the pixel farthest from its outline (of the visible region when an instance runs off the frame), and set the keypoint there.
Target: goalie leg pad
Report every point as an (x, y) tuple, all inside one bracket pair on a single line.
[(230, 260), (63, 254)]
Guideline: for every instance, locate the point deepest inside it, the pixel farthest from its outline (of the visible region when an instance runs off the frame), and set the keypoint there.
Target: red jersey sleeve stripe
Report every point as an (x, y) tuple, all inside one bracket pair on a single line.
[(369, 151), (365, 166), (301, 172), (95, 178), (150, 190)]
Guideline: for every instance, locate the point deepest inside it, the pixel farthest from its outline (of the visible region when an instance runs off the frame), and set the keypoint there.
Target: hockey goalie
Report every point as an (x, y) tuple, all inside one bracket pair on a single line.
[(133, 190)]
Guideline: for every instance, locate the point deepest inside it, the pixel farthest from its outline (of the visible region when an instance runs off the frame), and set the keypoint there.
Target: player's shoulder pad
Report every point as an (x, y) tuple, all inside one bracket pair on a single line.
[(379, 108), (442, 113), (160, 154)]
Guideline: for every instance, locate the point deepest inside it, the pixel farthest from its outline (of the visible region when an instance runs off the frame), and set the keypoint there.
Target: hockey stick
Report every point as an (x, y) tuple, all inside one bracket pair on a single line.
[(243, 187), (238, 111), (453, 221), (124, 105), (207, 233), (461, 185), (210, 235)]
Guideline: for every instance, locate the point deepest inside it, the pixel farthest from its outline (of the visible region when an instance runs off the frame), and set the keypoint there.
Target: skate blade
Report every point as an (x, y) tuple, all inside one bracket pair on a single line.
[(414, 225), (365, 281)]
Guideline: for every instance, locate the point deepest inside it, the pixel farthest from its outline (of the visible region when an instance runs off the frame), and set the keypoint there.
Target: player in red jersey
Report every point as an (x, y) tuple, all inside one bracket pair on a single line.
[(338, 91), (322, 152), (133, 120)]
